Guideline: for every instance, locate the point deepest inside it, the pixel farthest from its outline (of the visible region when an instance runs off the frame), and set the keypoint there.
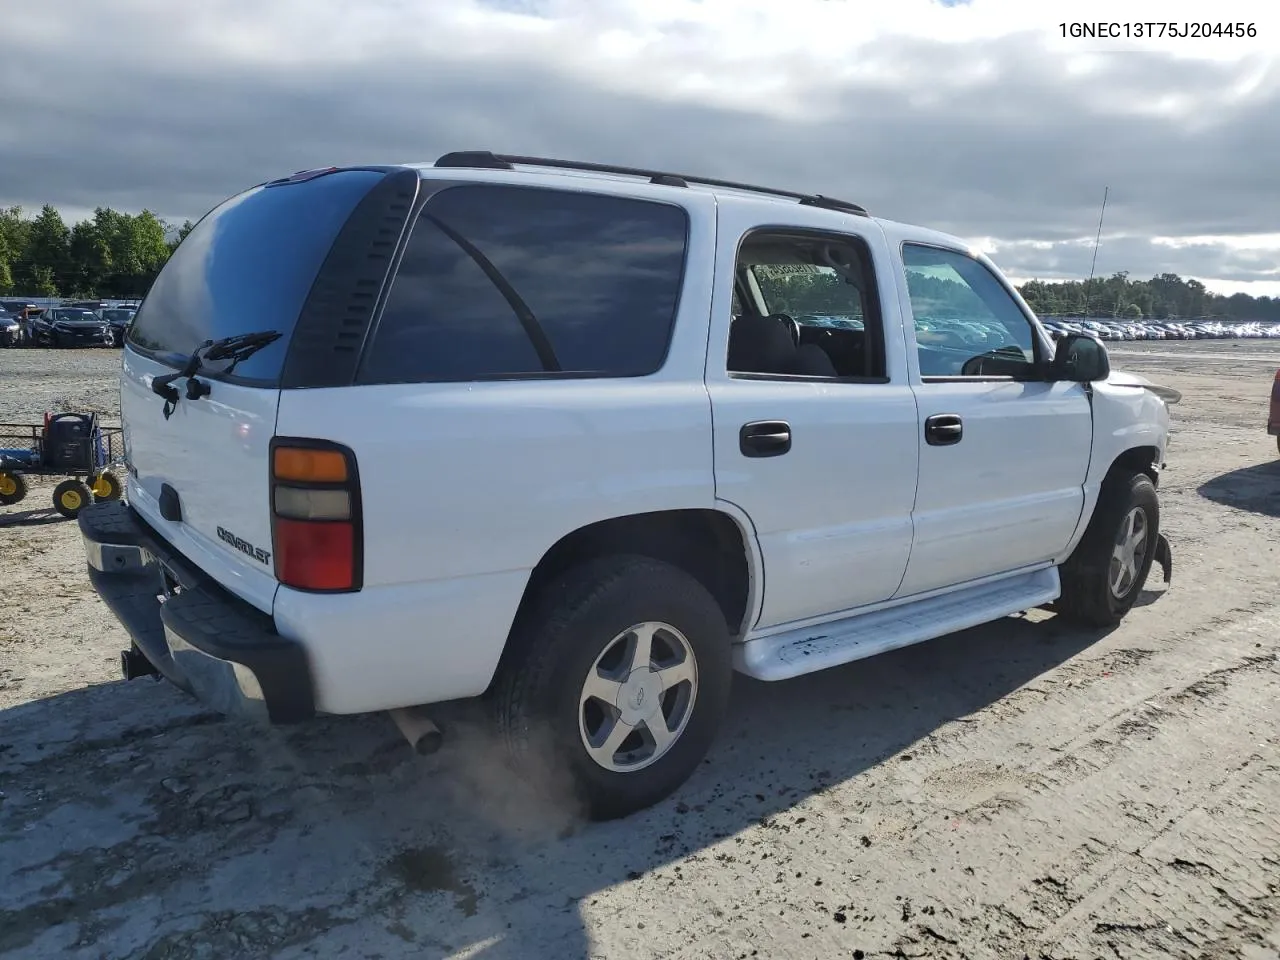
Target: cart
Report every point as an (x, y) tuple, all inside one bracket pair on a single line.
[(71, 445)]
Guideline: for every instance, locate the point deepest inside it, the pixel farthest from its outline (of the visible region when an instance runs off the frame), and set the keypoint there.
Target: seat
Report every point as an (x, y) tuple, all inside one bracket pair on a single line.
[(812, 361), (760, 344), (765, 345)]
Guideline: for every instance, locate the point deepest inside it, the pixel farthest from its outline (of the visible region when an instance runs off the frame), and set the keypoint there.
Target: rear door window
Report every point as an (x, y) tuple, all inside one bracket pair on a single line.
[(501, 282), (247, 266)]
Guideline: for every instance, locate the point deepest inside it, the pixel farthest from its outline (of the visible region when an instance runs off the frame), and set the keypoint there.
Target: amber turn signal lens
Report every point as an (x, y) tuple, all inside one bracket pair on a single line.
[(309, 466)]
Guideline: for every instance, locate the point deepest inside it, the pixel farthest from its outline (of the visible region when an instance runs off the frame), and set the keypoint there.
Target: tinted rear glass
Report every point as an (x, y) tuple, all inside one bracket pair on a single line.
[(247, 266), (507, 282)]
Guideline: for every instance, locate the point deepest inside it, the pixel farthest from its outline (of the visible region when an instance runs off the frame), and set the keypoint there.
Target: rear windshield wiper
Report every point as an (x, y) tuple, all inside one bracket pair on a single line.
[(235, 349)]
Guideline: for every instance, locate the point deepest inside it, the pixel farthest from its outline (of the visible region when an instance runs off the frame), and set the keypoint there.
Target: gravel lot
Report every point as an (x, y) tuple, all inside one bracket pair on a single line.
[(1019, 790)]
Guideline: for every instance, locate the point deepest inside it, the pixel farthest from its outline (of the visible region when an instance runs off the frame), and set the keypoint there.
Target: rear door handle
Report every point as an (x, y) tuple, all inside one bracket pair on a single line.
[(764, 438), (943, 429)]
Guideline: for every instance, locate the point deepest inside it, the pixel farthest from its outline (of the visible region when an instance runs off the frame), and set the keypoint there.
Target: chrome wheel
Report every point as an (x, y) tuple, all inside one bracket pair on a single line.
[(1129, 553), (637, 697)]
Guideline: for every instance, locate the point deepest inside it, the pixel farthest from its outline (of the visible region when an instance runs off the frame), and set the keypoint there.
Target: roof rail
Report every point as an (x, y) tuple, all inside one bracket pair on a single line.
[(485, 160)]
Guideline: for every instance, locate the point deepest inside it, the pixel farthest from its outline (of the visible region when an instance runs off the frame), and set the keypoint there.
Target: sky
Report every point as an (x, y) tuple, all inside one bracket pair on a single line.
[(976, 117)]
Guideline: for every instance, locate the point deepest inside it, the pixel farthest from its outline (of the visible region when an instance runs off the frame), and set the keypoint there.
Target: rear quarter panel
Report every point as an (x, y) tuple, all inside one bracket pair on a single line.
[(465, 486)]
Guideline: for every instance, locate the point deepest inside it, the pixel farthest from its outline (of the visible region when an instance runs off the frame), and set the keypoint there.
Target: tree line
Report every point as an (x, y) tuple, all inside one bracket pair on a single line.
[(112, 254), (117, 255), (1164, 297)]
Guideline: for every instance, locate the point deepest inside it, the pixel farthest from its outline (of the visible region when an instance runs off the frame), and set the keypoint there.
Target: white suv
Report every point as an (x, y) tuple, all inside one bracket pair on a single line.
[(584, 440)]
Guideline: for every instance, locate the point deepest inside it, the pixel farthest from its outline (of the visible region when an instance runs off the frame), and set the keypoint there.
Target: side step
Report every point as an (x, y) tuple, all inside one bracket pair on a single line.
[(797, 652)]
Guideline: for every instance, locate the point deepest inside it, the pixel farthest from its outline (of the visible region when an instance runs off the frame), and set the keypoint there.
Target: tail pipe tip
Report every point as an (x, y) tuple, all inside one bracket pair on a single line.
[(423, 735)]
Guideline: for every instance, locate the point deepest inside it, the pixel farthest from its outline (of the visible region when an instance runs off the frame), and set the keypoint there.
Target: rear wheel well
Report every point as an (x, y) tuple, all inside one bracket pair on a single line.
[(1138, 460), (706, 544)]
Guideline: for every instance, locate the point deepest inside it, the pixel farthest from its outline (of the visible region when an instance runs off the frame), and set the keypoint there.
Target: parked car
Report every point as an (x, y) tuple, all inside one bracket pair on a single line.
[(10, 330), (118, 318), (577, 460), (71, 327), (25, 312)]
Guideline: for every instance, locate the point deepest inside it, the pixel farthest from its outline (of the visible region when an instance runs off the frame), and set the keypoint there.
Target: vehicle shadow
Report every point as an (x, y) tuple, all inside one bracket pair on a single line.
[(333, 837), (1256, 489), (31, 518), (1148, 596)]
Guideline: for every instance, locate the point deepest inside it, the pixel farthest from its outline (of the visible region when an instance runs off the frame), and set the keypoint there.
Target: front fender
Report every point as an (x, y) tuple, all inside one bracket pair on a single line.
[(1127, 416)]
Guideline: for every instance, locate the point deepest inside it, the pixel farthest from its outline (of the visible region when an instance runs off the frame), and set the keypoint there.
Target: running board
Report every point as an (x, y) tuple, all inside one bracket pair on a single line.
[(797, 652)]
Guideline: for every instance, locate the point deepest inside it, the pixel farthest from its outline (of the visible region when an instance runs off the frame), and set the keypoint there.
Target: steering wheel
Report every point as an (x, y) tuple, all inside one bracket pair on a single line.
[(1010, 353), (792, 323)]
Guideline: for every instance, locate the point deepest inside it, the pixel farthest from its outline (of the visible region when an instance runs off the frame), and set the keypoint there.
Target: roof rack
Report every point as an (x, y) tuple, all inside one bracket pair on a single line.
[(485, 160)]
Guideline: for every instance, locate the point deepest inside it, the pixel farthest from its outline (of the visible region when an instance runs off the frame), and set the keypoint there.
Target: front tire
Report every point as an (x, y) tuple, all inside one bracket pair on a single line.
[(617, 682), (1105, 574)]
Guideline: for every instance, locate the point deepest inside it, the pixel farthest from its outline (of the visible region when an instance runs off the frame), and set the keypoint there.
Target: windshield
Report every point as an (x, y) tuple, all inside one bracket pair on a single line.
[(117, 314), (811, 294), (73, 315)]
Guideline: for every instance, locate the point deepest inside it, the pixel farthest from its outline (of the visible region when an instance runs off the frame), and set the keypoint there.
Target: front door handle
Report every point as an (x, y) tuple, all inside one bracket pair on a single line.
[(943, 429), (765, 438)]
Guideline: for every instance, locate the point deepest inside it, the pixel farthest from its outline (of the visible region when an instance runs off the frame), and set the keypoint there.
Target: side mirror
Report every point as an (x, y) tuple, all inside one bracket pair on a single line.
[(1080, 358)]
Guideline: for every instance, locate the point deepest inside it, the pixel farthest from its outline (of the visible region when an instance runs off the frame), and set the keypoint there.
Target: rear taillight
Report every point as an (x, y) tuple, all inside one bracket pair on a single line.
[(315, 515)]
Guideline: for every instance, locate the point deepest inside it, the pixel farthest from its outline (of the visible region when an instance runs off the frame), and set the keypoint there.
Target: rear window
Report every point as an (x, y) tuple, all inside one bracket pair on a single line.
[(505, 282), (247, 266)]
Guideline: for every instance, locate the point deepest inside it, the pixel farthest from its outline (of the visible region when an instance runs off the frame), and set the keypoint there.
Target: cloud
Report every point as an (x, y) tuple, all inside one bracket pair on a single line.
[(977, 118)]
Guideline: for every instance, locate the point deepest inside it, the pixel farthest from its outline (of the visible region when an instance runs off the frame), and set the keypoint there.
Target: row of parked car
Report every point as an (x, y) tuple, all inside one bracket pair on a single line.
[(84, 323), (95, 323), (1163, 329)]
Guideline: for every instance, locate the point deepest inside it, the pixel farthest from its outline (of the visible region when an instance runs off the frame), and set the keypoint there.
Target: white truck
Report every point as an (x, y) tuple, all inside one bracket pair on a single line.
[(584, 440)]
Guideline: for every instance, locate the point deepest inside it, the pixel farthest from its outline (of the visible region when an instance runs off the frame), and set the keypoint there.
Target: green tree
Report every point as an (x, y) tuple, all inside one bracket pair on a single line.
[(49, 252), (91, 260), (13, 247), (42, 282), (181, 234)]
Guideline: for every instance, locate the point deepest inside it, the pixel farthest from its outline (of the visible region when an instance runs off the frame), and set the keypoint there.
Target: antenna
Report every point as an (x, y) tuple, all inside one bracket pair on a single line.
[(1088, 287)]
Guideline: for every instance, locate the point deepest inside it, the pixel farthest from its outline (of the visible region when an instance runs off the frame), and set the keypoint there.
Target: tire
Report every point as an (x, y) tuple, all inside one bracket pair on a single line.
[(582, 625), (1096, 591), (105, 487), (13, 487), (70, 497)]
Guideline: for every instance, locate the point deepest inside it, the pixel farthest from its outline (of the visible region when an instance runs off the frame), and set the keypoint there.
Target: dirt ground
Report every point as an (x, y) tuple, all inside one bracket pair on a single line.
[(1018, 790)]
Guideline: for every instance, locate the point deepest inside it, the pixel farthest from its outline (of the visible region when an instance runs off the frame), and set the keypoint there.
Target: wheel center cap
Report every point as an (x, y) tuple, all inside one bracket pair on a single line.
[(640, 697)]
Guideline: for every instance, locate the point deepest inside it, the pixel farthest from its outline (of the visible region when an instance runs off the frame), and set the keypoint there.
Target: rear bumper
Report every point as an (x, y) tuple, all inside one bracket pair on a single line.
[(196, 634)]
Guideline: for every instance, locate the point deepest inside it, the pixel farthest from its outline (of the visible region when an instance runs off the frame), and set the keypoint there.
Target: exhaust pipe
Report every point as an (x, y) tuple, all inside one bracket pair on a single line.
[(423, 735)]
